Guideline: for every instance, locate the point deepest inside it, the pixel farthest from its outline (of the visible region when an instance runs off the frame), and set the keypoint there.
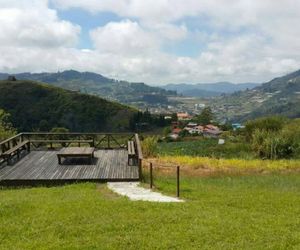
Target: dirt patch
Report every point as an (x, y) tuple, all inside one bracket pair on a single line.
[(106, 192)]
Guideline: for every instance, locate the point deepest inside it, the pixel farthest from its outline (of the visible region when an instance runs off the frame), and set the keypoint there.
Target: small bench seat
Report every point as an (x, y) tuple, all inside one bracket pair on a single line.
[(83, 152), (131, 151), (24, 145)]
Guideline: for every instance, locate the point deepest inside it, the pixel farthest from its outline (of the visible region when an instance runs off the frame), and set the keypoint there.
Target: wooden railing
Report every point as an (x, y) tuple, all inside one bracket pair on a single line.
[(47, 140), (139, 153), (98, 140), (9, 143)]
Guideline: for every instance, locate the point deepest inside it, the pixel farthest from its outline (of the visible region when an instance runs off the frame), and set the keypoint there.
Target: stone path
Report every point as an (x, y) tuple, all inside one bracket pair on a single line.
[(136, 193)]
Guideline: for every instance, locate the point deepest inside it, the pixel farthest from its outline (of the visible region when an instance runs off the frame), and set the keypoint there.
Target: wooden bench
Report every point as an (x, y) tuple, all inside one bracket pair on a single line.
[(78, 152), (67, 142), (24, 145), (131, 151)]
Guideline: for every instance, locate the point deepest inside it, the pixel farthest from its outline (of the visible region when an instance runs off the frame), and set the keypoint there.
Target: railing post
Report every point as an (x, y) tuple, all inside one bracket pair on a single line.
[(177, 175), (139, 154), (140, 168), (151, 175)]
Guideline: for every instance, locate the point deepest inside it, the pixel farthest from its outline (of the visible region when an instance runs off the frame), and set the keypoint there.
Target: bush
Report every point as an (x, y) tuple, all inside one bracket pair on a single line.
[(149, 146), (272, 145), (269, 124), (167, 131), (292, 131), (184, 133), (6, 129)]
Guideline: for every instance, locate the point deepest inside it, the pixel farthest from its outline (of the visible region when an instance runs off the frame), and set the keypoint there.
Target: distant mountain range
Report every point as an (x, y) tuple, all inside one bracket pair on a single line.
[(96, 84), (234, 102), (40, 107), (280, 96), (208, 89)]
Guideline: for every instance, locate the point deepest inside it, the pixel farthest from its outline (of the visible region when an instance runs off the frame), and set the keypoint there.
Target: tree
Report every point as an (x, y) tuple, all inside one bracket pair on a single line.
[(205, 117), (11, 78), (44, 125), (61, 136), (59, 130), (184, 133), (167, 131), (6, 128), (174, 117)]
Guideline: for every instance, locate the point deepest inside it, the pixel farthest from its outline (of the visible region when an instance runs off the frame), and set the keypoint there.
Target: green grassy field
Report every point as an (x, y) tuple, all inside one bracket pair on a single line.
[(206, 147), (221, 212)]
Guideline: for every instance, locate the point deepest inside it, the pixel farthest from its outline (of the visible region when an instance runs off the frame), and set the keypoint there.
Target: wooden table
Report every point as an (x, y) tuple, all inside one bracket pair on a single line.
[(78, 152)]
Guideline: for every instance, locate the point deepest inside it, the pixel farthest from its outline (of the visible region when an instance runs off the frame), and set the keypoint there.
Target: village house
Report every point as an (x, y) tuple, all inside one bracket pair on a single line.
[(211, 131), (207, 130), (175, 133), (184, 116), (191, 125), (199, 129), (236, 126), (174, 125)]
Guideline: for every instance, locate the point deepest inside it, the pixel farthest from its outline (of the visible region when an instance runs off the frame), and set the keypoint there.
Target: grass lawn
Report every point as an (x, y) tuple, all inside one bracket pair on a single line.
[(221, 212)]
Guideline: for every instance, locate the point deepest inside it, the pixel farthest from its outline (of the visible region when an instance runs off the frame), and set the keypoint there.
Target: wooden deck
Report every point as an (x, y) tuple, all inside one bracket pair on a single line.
[(42, 167)]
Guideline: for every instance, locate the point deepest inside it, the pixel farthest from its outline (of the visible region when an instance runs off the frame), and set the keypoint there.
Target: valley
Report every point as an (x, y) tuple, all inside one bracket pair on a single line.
[(230, 102)]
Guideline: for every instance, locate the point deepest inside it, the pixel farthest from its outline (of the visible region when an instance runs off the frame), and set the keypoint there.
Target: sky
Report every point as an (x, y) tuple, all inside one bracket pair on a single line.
[(156, 42)]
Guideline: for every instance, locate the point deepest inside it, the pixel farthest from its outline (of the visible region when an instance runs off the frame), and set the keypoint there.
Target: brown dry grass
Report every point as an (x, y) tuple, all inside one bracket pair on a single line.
[(106, 192), (167, 166)]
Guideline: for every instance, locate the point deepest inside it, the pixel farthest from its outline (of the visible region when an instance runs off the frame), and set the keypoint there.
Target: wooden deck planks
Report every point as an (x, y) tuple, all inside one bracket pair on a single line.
[(43, 165)]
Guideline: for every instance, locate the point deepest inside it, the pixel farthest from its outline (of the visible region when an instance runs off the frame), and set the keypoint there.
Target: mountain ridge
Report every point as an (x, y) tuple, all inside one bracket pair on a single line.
[(34, 106), (95, 84), (208, 89), (279, 96)]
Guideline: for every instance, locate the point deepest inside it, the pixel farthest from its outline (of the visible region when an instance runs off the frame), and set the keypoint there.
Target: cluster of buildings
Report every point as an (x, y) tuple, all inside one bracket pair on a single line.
[(210, 131)]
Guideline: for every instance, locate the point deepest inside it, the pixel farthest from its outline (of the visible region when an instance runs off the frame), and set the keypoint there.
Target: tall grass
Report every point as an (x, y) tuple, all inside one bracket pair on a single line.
[(149, 146), (213, 163)]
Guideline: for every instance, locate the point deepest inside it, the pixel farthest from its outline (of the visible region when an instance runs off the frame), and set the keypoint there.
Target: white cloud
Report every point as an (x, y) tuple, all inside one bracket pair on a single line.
[(168, 31), (34, 25), (125, 37), (245, 40), (162, 10)]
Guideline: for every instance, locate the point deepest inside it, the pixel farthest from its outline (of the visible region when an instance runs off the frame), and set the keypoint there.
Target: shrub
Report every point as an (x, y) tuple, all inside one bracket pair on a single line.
[(6, 128), (292, 131), (269, 124), (184, 133), (167, 130), (149, 146), (272, 145)]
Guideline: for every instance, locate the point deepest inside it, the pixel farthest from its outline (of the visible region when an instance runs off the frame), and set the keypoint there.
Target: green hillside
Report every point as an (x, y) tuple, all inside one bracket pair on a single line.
[(96, 84), (280, 96), (34, 106)]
